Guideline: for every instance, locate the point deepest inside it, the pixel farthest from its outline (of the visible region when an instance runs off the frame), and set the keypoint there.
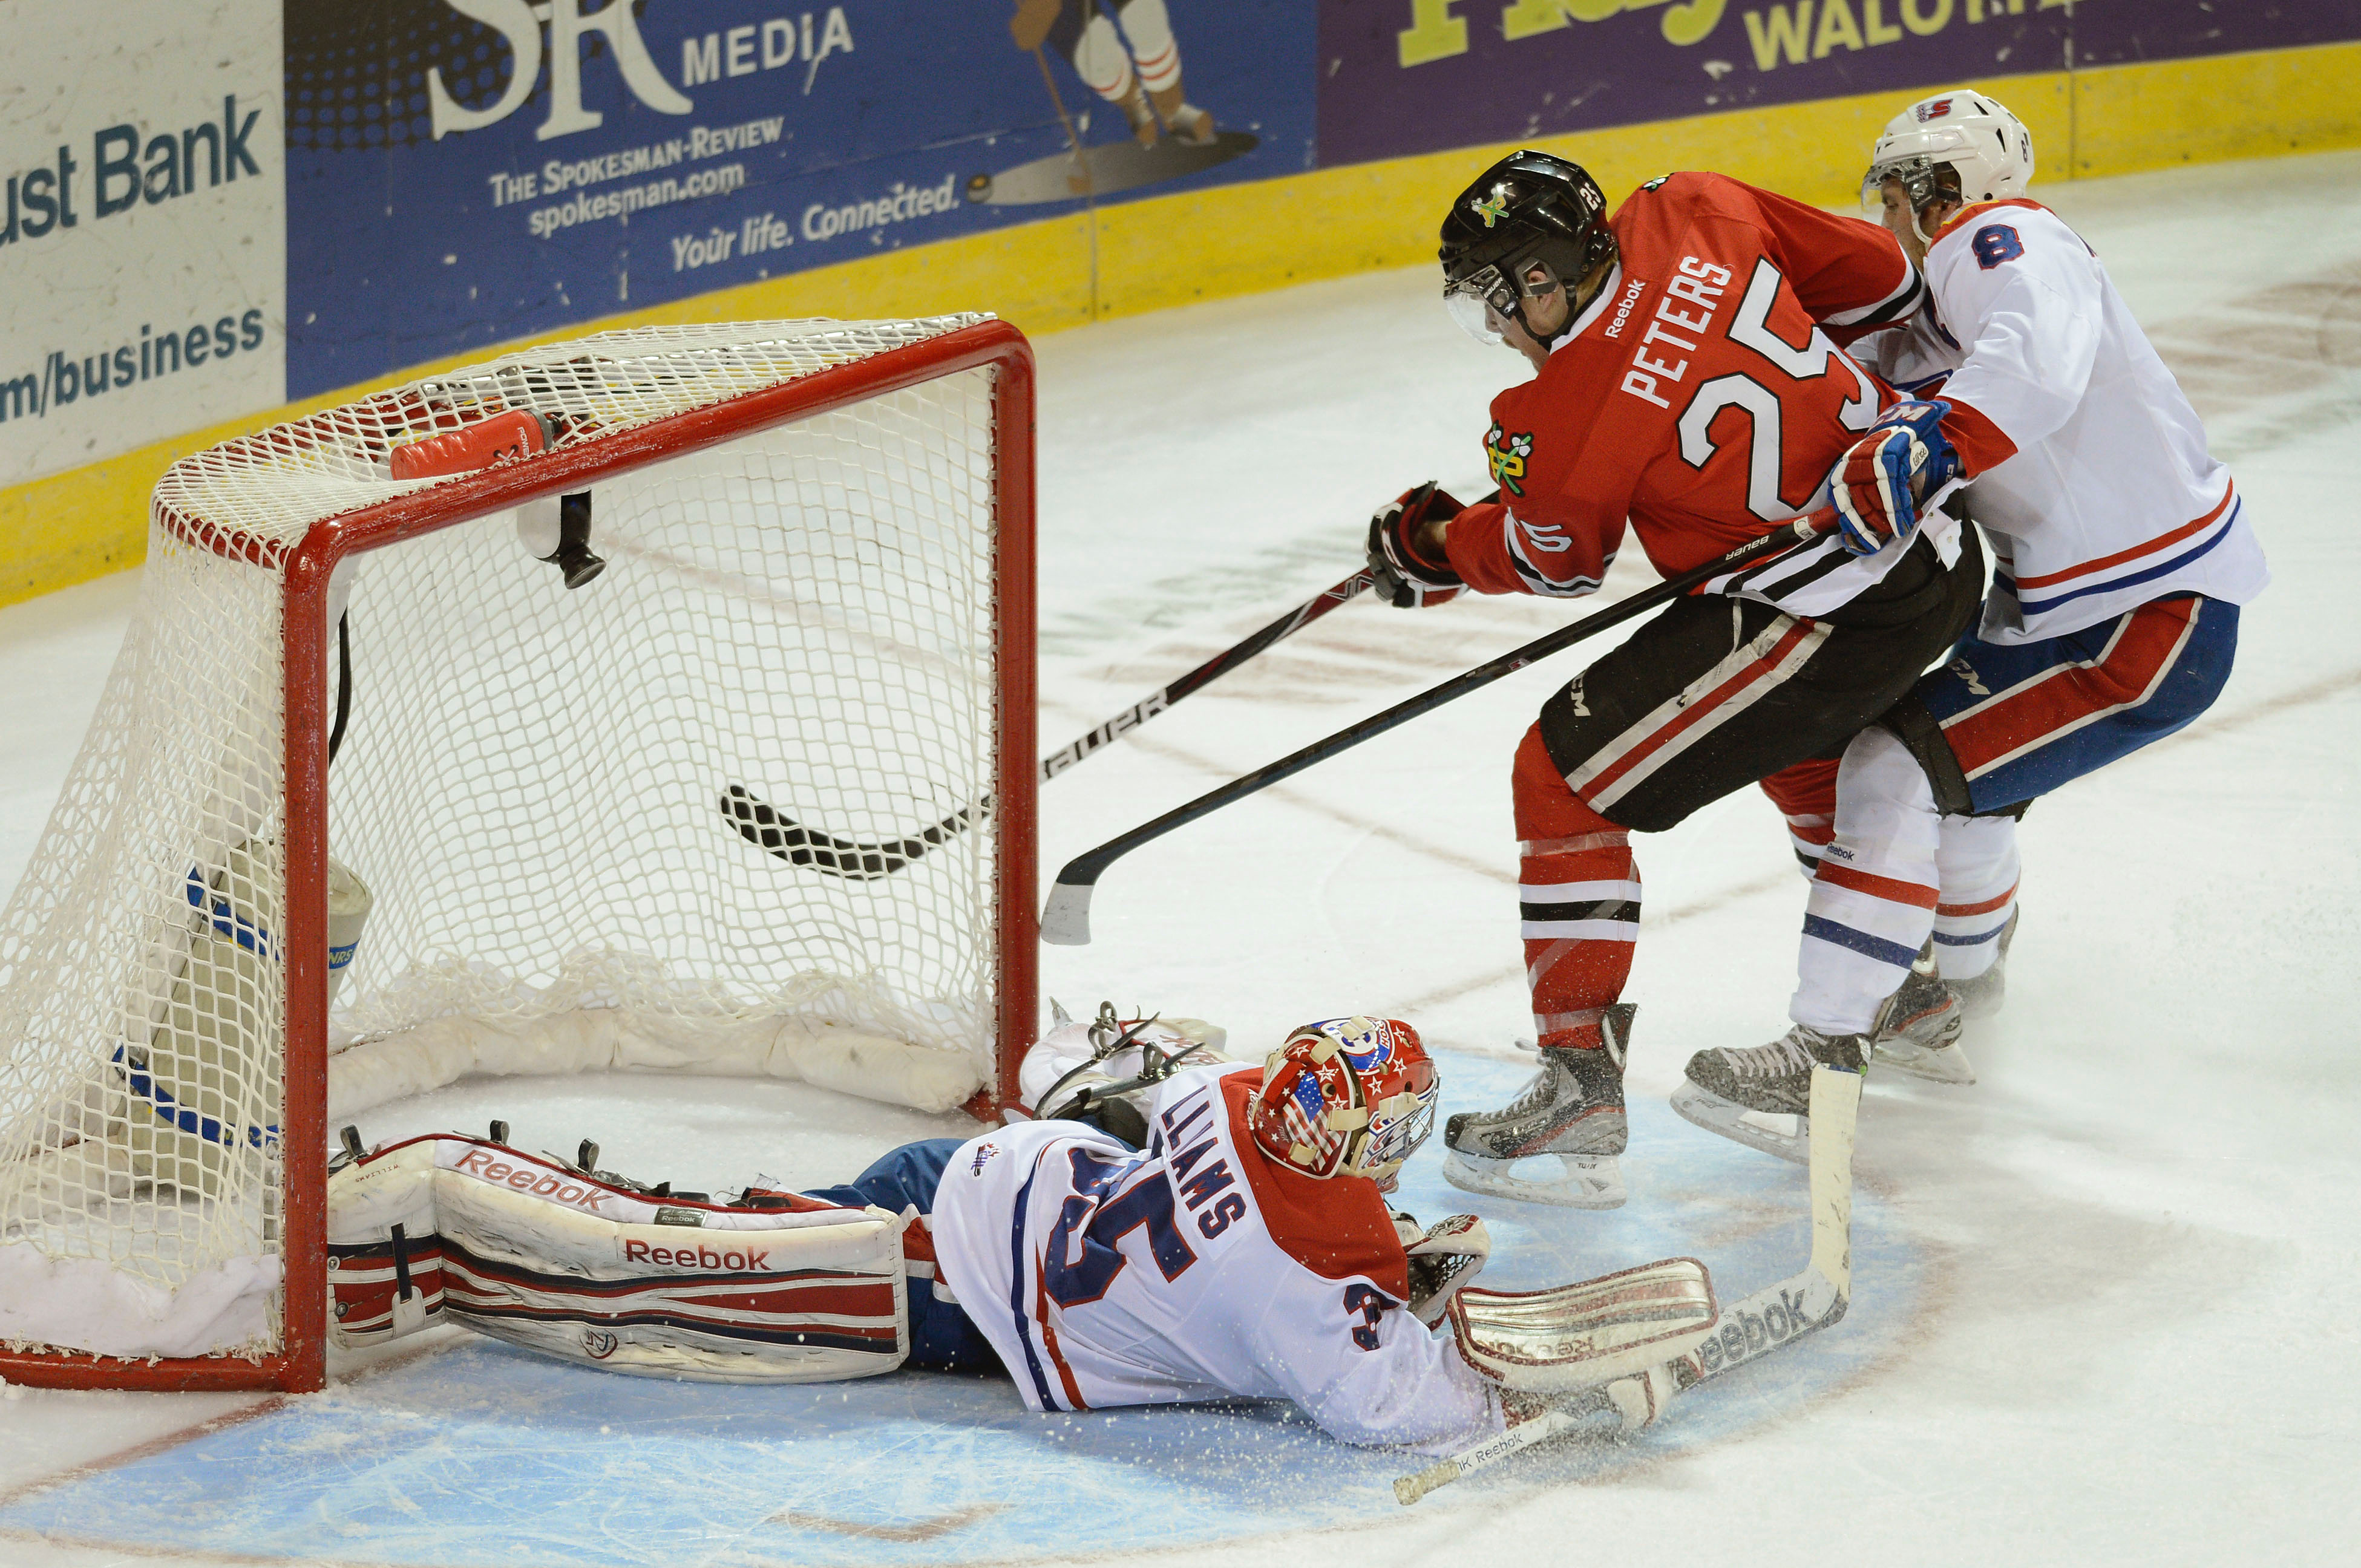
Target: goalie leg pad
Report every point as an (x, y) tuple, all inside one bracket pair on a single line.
[(1588, 1333), (385, 1257), (545, 1256)]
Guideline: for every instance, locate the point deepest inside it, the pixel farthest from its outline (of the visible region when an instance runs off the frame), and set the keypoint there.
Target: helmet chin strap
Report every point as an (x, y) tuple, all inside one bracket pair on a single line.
[(1576, 302)]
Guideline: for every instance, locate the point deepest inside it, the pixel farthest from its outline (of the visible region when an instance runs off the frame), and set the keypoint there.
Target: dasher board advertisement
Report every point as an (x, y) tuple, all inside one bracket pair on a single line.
[(143, 251), (469, 172), (1402, 77)]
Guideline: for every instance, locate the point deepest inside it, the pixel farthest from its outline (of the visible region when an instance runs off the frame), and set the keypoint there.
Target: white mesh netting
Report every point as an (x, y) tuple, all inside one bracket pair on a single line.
[(532, 800)]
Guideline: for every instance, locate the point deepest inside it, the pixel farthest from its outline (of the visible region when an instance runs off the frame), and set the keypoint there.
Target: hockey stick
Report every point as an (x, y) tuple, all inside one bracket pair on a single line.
[(1775, 1315), (1206, 673), (801, 846), (1067, 920), (765, 828), (1073, 142), (1547, 1427)]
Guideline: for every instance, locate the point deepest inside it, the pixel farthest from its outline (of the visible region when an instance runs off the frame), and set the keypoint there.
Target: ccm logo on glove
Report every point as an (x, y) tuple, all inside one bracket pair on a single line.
[(699, 1256)]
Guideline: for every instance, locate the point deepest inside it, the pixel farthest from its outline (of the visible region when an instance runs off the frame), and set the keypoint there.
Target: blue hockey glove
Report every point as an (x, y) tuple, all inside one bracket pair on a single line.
[(1877, 485)]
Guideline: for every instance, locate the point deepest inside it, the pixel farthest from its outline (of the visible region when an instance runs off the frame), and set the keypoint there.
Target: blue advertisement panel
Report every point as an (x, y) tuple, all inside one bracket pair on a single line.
[(463, 172)]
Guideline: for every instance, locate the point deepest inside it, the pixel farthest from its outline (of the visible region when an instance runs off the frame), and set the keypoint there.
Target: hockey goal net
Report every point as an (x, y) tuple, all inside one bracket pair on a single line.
[(755, 798)]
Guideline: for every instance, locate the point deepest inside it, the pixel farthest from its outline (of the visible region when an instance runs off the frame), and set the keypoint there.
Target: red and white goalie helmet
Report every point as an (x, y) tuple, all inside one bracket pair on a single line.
[(1346, 1097)]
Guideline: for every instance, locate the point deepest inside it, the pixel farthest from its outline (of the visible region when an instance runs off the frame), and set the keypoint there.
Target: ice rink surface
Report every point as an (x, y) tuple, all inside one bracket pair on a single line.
[(2104, 1306)]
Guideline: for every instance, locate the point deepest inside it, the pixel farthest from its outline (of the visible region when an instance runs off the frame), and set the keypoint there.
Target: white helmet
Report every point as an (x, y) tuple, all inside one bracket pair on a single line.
[(1988, 151)]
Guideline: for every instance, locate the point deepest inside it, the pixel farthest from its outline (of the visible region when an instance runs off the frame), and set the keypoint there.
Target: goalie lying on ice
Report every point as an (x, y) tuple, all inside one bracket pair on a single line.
[(1235, 1243)]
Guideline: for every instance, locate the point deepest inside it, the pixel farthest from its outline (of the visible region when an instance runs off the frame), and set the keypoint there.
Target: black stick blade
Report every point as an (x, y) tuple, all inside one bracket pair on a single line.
[(798, 845)]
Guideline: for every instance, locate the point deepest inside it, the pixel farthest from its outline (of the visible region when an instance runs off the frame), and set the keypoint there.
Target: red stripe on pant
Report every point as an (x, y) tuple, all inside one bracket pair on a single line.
[(2060, 698), (1707, 707), (1981, 907), (1565, 841), (1893, 891)]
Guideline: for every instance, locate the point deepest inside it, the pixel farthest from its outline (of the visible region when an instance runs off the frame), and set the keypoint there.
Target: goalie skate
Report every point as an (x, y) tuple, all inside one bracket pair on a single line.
[(1761, 1095), (1918, 1032), (1571, 1113)]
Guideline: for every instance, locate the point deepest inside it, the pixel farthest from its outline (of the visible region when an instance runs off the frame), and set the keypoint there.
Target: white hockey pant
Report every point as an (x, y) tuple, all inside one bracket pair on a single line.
[(1101, 61), (1896, 873)]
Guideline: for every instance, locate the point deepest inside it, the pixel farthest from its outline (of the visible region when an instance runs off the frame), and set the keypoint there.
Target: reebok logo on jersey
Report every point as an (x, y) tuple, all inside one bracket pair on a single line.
[(1632, 292), (983, 1153)]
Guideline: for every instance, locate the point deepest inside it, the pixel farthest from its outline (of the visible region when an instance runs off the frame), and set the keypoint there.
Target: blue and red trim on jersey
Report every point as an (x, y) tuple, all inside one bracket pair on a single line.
[(2220, 521)]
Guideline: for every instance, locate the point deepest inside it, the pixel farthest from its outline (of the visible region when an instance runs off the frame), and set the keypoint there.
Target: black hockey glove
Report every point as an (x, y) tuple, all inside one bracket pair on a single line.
[(1403, 578)]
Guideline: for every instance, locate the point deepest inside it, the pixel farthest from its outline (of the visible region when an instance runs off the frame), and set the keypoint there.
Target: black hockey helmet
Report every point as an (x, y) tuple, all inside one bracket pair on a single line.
[(1529, 210)]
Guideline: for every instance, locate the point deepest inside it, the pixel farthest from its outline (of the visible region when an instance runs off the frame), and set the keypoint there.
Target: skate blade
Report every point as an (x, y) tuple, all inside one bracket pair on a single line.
[(1772, 1131), (1939, 1064), (1590, 1181)]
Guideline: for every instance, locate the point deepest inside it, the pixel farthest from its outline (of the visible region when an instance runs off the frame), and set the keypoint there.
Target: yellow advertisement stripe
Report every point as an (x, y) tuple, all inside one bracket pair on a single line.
[(1238, 239)]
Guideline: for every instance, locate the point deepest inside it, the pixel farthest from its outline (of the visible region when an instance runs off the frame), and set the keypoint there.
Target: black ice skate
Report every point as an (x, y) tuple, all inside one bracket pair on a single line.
[(1918, 1031), (1761, 1095), (1573, 1110)]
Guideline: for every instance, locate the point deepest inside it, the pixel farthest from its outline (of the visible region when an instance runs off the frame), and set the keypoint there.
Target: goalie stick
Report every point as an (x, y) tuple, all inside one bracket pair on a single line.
[(1775, 1315), (765, 826), (1066, 920)]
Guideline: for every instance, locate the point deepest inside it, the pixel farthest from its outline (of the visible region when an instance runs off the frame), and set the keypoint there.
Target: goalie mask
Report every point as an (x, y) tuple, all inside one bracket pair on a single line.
[(1955, 147), (1346, 1097)]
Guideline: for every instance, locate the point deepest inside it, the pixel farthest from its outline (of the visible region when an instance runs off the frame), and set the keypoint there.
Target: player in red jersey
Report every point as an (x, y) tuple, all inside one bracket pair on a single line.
[(1689, 384)]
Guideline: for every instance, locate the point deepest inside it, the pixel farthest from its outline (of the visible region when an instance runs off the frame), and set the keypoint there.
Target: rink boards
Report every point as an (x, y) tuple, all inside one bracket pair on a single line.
[(476, 1453)]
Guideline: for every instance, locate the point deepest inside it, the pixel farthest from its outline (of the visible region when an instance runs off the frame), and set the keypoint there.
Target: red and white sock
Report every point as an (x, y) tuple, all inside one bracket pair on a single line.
[(1806, 795), (1579, 896)]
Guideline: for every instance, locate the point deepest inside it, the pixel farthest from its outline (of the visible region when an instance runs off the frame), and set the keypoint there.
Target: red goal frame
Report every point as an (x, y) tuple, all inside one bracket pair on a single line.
[(300, 1364)]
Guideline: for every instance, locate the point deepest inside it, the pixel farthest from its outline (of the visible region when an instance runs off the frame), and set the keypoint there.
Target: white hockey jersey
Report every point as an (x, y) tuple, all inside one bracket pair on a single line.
[(2090, 475), (1196, 1269)]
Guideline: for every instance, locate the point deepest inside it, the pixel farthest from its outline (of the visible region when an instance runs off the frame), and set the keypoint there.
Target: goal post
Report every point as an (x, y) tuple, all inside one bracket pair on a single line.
[(817, 598)]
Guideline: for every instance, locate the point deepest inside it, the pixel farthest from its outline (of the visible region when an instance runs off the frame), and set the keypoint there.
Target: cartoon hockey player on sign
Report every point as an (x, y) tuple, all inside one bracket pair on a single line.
[(1137, 70)]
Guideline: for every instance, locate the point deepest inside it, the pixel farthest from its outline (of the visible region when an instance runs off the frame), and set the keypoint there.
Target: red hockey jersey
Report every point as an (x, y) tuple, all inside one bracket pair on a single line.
[(1700, 396)]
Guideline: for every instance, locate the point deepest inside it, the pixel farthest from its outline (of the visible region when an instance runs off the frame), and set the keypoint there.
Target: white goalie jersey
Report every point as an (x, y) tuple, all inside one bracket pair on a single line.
[(2099, 495), (1194, 1270)]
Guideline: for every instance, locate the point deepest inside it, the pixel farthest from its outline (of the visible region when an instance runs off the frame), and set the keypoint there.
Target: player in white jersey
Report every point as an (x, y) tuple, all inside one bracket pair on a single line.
[(2122, 553), (1180, 1228)]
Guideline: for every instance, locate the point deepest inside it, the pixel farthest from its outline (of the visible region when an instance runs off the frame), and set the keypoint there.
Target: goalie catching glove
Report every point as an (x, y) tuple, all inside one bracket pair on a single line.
[(1403, 575), (1878, 484), (1443, 1259)]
